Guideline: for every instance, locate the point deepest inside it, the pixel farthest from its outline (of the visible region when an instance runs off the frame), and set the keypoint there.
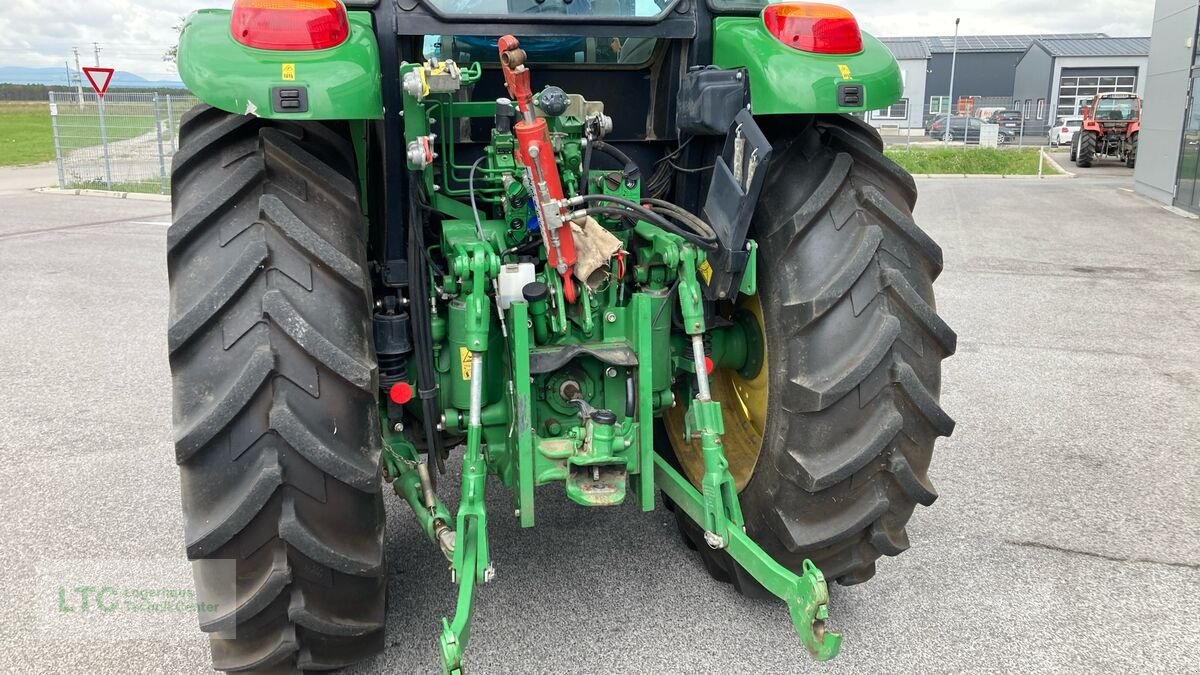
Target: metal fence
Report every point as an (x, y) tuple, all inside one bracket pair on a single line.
[(1019, 125), (121, 142)]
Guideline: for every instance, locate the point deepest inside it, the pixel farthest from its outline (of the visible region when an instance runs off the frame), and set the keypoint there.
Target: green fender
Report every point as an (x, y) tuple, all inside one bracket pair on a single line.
[(785, 80), (343, 82)]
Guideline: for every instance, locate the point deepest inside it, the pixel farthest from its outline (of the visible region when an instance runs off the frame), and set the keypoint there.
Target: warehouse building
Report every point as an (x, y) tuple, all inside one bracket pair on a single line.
[(1169, 142), (985, 69), (1041, 75), (1056, 77), (908, 112)]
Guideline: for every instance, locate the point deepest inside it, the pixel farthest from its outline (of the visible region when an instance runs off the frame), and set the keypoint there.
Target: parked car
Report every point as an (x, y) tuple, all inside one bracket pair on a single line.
[(1012, 120), (1063, 130), (936, 119), (966, 129)]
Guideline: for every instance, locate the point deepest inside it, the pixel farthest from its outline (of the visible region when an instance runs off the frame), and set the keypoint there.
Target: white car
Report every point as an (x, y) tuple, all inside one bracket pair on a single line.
[(1062, 131)]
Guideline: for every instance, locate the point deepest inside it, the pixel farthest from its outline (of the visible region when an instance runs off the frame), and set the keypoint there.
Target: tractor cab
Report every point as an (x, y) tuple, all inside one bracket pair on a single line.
[(1114, 107)]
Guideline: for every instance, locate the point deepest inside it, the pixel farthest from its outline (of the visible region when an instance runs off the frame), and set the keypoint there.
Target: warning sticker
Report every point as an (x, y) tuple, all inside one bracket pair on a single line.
[(706, 271), (845, 70), (289, 71), (464, 358)]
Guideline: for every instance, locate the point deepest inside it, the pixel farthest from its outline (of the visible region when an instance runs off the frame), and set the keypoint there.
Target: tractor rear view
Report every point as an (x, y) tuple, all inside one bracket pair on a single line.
[(1110, 130), (625, 252)]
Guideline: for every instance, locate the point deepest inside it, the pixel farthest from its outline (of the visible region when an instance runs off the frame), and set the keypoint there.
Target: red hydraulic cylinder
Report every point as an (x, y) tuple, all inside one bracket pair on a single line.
[(535, 151)]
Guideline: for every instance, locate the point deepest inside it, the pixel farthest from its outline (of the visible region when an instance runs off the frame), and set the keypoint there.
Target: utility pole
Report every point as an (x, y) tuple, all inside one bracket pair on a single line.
[(950, 113), (78, 77), (96, 50)]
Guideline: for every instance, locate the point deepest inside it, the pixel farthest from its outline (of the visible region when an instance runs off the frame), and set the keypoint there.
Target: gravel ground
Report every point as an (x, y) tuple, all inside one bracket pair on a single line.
[(1065, 540)]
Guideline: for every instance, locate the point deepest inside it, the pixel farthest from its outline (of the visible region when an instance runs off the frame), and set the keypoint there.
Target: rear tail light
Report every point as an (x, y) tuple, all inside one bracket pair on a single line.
[(814, 27), (290, 25)]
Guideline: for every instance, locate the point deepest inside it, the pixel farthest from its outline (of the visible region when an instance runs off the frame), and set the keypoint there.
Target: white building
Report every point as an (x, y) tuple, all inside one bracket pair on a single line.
[(908, 112)]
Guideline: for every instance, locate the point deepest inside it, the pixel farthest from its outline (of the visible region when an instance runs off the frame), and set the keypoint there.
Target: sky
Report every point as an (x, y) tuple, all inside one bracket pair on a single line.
[(133, 34)]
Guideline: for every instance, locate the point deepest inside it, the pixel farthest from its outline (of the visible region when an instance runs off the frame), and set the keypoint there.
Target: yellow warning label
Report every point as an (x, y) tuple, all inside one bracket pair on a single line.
[(845, 70), (289, 71), (464, 358), (706, 272)]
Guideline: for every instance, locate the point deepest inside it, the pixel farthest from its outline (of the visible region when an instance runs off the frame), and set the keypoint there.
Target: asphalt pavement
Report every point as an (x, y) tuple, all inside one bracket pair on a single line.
[(1066, 538)]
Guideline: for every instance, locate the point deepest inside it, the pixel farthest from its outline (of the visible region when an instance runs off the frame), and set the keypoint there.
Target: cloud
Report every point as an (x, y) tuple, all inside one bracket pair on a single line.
[(133, 34), (929, 17)]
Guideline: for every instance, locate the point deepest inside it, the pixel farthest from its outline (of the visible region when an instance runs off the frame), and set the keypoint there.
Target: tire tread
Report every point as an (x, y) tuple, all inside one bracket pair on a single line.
[(276, 391), (850, 441)]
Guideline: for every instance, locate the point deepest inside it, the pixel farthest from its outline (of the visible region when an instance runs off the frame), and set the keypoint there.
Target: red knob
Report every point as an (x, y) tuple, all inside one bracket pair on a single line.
[(401, 393), (708, 365)]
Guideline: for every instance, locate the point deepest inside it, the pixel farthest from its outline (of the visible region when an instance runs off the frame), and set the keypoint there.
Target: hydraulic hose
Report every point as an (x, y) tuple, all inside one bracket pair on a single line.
[(695, 222), (628, 166), (619, 212), (585, 171), (418, 293), (615, 153), (703, 237), (471, 192)]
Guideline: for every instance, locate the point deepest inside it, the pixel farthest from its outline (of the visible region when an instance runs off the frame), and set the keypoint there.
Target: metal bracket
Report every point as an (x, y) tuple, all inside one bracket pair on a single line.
[(472, 561), (806, 594), (716, 507)]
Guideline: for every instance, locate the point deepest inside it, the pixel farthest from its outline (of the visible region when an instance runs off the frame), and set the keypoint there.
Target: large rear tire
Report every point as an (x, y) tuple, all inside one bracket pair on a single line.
[(275, 392), (1086, 151), (853, 358), (1131, 158)]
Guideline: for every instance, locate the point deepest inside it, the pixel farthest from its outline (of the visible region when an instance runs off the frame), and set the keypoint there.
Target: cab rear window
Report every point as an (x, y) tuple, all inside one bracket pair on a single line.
[(584, 9)]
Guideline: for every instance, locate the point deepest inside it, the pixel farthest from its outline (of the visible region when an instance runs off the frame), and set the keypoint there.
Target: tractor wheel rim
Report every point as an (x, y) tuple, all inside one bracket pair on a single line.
[(744, 398)]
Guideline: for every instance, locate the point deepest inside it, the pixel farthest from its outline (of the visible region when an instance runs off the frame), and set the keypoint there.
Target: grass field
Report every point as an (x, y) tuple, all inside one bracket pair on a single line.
[(152, 187), (25, 135), (991, 161)]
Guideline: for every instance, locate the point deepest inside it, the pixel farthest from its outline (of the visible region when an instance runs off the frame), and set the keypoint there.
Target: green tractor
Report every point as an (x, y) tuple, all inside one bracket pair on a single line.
[(643, 248)]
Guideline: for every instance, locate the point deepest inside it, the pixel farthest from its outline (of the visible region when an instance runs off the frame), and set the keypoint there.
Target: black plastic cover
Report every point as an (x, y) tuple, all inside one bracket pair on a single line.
[(392, 334), (737, 182), (710, 98), (394, 273)]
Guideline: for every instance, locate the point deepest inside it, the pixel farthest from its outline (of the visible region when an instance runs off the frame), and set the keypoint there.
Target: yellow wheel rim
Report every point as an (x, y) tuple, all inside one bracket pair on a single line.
[(744, 405)]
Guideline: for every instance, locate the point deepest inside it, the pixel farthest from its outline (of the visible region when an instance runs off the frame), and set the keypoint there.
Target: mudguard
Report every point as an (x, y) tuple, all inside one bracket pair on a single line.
[(342, 83), (787, 81)]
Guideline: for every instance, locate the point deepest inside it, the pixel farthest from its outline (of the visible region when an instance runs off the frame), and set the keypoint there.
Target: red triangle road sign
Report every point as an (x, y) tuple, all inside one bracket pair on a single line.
[(100, 78)]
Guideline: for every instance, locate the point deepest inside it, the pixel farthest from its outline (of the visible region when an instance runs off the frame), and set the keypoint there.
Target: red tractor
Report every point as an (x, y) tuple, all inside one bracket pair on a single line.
[(1110, 129)]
